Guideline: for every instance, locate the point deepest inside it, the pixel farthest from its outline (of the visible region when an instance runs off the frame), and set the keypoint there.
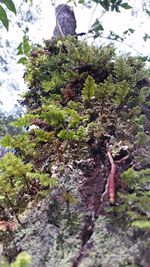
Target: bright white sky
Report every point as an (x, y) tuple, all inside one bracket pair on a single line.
[(43, 29)]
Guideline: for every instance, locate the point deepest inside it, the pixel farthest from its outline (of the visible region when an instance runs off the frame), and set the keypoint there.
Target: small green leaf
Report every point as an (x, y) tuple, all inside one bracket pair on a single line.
[(22, 60), (117, 9), (141, 224), (66, 135), (118, 2), (81, 2), (115, 6), (26, 44), (20, 49), (59, 43), (97, 26), (126, 6), (3, 18), (10, 5), (105, 4), (6, 140), (48, 86), (23, 259)]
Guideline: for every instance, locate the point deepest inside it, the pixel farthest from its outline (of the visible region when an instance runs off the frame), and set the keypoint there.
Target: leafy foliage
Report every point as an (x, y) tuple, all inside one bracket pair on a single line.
[(18, 183), (141, 224), (22, 144), (13, 181), (44, 179), (24, 48), (23, 260), (55, 116), (113, 5), (135, 204), (79, 97), (55, 76), (3, 15), (80, 134), (88, 89), (114, 92), (122, 69), (5, 124)]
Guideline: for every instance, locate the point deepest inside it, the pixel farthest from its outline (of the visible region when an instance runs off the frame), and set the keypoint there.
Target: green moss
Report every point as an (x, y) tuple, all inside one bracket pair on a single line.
[(22, 260), (81, 100)]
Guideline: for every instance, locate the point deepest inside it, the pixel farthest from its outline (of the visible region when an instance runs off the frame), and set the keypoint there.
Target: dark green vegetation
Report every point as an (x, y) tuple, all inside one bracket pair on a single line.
[(83, 102)]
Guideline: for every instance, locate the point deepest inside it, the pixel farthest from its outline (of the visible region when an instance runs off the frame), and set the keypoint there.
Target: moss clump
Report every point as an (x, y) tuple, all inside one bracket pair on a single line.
[(80, 101)]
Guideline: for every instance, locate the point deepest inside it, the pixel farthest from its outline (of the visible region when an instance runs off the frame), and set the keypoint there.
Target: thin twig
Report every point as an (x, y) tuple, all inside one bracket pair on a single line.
[(123, 159), (122, 42), (89, 25), (119, 41)]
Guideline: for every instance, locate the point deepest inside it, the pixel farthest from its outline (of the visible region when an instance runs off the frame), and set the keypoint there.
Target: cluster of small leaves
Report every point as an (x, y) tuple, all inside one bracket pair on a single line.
[(13, 182), (54, 66), (24, 48), (5, 124), (23, 260), (130, 68), (135, 201), (113, 5), (88, 89), (61, 120), (17, 181), (20, 143), (141, 136), (115, 92), (93, 75)]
